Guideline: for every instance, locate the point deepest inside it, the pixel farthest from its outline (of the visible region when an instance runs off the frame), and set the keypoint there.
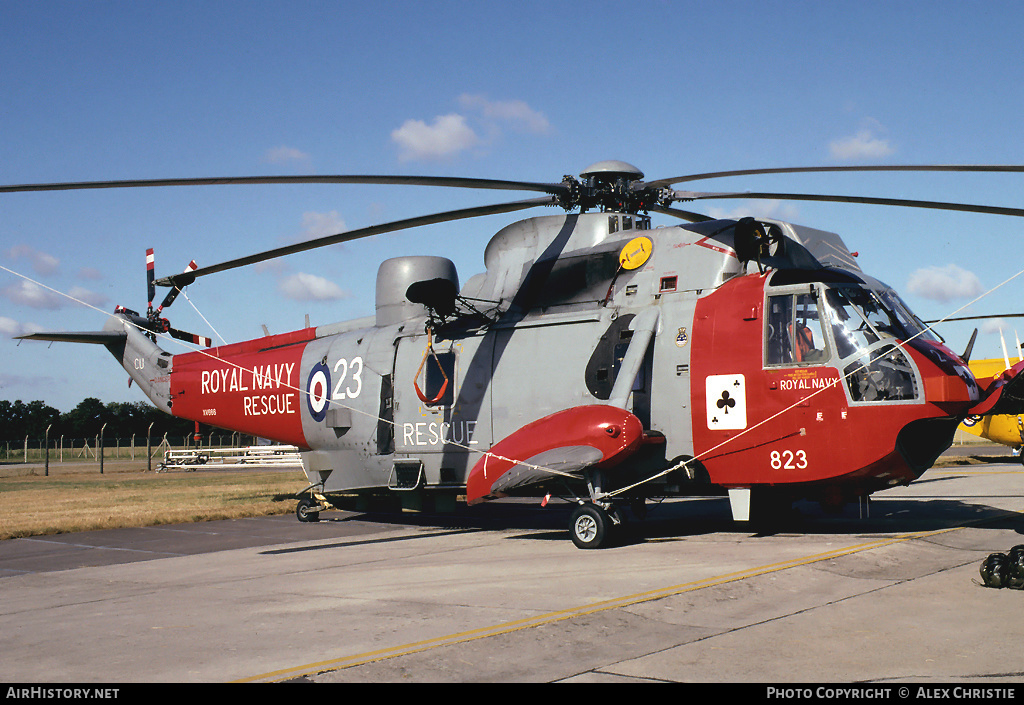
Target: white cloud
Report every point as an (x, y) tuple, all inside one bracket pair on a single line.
[(88, 296), (451, 134), (864, 144), (515, 113), (994, 325), (32, 295), (944, 284), (448, 135), (322, 224), (42, 262), (310, 287), (10, 327), (276, 267), (29, 294), (282, 155)]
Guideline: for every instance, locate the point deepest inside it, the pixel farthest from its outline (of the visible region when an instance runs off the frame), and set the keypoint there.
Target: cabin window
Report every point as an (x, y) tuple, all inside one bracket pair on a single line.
[(794, 334), (603, 367), (386, 417), (437, 370), (575, 279)]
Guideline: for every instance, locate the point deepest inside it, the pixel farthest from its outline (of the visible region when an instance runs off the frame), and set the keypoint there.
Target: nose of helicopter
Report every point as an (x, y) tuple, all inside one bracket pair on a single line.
[(948, 382), (951, 389), (922, 441)]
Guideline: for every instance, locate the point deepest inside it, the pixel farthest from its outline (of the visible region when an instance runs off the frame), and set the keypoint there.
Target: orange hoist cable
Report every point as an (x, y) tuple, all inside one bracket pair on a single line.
[(430, 353)]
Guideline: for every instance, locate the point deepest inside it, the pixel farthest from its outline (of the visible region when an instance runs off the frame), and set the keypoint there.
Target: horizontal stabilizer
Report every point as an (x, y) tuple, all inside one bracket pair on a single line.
[(99, 337), (565, 442)]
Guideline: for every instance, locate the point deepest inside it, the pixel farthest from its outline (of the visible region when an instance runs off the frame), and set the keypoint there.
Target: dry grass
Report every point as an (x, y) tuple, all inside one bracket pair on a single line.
[(81, 499)]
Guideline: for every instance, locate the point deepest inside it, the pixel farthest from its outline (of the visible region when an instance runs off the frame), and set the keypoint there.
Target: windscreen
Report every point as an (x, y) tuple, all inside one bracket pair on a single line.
[(860, 319)]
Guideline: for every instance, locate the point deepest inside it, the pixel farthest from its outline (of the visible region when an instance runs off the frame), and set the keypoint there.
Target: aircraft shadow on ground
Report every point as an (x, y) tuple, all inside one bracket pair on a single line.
[(679, 520)]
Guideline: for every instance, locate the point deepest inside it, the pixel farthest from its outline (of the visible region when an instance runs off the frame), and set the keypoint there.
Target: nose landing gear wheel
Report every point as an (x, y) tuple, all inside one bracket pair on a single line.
[(589, 526)]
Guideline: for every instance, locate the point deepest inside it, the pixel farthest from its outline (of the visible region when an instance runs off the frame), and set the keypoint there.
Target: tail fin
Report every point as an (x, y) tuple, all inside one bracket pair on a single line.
[(147, 364)]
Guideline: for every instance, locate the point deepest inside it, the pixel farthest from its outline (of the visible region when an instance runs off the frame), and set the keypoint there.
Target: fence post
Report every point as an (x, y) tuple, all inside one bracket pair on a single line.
[(47, 473), (100, 444), (149, 445)]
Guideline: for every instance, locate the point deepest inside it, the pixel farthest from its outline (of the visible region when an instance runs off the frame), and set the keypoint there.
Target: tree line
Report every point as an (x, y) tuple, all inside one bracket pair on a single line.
[(122, 419)]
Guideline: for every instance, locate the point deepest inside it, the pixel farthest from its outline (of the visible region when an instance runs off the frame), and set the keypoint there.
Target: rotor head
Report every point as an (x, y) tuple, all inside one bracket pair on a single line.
[(610, 185)]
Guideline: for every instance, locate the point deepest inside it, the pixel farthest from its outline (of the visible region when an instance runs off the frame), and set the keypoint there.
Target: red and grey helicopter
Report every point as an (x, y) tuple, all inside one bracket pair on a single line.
[(597, 358)]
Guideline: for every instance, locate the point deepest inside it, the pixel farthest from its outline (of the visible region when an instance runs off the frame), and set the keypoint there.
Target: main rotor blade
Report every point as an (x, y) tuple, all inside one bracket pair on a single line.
[(661, 183), (965, 207), (689, 216), (450, 181), (181, 280), (975, 318)]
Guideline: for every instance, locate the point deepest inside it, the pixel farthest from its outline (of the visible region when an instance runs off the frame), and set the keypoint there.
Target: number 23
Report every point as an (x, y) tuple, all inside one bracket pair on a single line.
[(355, 381)]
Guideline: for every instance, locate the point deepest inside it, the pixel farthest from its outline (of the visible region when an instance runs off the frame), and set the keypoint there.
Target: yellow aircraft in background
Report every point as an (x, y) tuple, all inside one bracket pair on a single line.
[(1006, 429)]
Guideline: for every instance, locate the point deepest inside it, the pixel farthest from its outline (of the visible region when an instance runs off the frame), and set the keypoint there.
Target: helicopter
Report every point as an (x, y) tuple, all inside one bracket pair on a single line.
[(597, 359)]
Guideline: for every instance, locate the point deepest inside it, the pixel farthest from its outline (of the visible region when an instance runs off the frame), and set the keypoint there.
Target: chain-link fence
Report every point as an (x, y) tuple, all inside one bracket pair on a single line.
[(66, 450)]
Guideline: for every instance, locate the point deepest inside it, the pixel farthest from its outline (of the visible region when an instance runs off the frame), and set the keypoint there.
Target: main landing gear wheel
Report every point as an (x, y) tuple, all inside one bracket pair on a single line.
[(304, 510), (590, 526)]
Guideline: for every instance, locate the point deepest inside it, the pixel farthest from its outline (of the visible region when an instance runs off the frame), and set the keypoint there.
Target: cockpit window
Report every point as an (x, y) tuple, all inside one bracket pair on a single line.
[(850, 319), (913, 325), (858, 329), (860, 319), (883, 374), (884, 313)]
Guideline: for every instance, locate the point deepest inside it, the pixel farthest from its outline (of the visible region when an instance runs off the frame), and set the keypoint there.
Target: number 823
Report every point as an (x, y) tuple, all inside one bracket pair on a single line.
[(788, 460)]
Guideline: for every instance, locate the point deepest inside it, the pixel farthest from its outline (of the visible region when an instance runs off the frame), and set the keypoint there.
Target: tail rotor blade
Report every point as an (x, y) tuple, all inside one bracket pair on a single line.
[(150, 277), (176, 289), (190, 337)]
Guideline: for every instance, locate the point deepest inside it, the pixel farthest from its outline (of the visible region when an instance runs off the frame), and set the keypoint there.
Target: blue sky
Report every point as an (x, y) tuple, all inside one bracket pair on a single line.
[(525, 90)]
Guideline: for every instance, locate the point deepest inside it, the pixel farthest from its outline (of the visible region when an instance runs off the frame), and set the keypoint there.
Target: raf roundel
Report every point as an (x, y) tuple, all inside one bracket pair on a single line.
[(317, 390)]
